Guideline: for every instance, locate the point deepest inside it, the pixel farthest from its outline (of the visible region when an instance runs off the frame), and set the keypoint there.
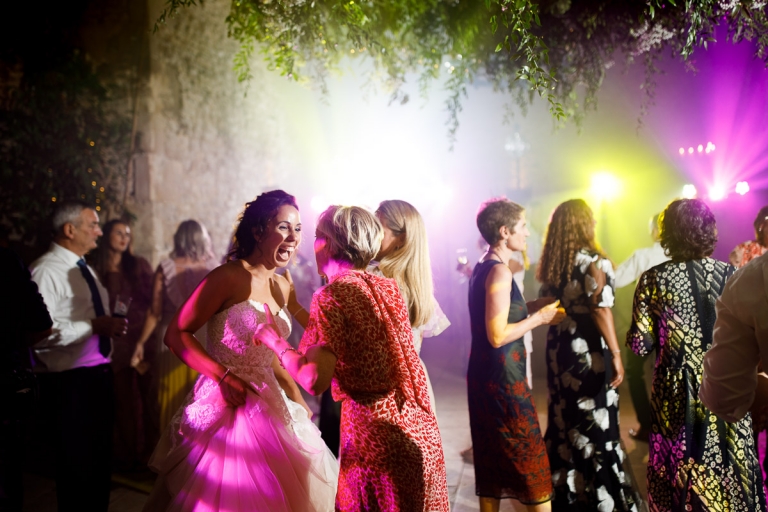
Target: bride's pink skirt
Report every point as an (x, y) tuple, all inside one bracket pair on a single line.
[(243, 459)]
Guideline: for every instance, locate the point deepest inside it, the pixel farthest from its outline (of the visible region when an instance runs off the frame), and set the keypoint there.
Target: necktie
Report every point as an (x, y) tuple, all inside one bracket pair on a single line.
[(105, 347)]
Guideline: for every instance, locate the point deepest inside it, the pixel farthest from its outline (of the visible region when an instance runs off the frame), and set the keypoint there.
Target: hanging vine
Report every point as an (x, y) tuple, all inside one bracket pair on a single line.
[(555, 49)]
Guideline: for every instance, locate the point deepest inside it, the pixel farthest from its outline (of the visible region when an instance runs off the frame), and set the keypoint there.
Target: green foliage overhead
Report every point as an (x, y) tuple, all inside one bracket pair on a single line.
[(556, 49)]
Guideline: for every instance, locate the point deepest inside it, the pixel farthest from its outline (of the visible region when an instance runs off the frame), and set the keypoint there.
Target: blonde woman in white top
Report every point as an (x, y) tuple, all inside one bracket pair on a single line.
[(404, 257)]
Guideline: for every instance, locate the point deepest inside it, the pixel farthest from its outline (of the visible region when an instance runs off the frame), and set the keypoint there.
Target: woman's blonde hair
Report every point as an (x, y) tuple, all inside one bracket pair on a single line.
[(409, 264), (191, 241), (352, 234)]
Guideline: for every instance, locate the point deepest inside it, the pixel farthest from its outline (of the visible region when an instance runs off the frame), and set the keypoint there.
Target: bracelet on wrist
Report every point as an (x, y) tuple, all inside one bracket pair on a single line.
[(282, 353), (225, 374), (616, 351)]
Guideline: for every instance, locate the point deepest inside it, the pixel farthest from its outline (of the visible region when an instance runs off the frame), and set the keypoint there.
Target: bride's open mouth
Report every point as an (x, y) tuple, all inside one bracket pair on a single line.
[(284, 253)]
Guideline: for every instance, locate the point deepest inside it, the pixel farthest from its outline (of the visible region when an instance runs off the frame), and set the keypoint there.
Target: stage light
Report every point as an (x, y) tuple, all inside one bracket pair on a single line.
[(716, 193), (318, 204), (682, 151), (700, 148), (690, 151), (742, 188), (605, 185), (710, 147), (689, 191)]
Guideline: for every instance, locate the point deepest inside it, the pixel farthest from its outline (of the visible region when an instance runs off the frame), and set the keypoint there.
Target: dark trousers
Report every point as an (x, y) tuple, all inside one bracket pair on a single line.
[(635, 373), (330, 422), (11, 465), (137, 418), (78, 412)]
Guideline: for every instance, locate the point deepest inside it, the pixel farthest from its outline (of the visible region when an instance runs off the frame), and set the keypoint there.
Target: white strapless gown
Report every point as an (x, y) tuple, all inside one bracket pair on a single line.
[(263, 456)]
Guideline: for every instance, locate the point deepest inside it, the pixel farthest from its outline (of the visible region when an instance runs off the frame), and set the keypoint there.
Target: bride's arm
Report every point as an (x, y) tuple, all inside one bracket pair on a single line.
[(218, 290), (289, 385)]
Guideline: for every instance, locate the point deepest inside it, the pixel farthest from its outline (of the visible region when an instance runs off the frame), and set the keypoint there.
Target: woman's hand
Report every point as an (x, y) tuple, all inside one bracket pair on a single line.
[(138, 355), (618, 371), (267, 332), (551, 314), (233, 389), (537, 304)]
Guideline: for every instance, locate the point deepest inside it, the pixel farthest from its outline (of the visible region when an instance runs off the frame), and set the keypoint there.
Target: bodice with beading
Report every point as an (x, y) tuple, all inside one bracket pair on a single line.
[(230, 336)]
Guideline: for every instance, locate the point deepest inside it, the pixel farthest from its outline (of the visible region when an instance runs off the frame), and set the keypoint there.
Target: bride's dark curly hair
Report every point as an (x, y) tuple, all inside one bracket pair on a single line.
[(254, 220), (571, 228)]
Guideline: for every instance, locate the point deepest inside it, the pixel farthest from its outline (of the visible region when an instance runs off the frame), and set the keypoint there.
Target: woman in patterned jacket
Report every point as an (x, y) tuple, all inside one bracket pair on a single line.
[(696, 461)]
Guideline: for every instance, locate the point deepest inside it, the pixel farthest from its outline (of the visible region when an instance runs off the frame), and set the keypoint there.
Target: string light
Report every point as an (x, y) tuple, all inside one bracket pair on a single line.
[(701, 148)]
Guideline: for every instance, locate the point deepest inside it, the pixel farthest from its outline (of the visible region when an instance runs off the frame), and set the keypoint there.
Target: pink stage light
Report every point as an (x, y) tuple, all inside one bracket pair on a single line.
[(682, 151), (742, 188), (716, 193)]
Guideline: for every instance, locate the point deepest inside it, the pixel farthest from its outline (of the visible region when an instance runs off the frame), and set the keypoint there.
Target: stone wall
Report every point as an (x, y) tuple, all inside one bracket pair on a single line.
[(206, 144)]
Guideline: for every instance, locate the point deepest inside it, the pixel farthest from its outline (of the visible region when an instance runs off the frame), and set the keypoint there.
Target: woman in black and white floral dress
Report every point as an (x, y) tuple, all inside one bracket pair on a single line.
[(583, 370)]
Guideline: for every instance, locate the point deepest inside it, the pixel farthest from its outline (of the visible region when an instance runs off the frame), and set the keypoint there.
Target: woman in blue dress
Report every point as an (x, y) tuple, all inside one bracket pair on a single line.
[(510, 458)]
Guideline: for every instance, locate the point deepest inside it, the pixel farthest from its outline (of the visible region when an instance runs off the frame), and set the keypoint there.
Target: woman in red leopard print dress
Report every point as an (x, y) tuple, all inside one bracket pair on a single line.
[(359, 340)]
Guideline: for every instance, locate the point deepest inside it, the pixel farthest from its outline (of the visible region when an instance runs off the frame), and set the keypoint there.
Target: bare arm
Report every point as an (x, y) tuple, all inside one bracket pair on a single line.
[(313, 370), (603, 318), (152, 318), (498, 287), (222, 287)]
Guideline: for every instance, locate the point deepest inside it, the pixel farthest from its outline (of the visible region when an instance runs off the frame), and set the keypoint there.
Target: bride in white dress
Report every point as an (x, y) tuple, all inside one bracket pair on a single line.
[(243, 439)]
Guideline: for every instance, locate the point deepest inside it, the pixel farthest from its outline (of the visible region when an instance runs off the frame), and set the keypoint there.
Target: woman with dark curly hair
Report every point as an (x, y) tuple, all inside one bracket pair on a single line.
[(583, 369), (243, 440), (751, 249), (696, 461)]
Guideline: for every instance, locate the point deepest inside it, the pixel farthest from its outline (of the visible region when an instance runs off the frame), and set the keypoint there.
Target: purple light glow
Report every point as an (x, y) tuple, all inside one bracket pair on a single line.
[(725, 101), (724, 107)]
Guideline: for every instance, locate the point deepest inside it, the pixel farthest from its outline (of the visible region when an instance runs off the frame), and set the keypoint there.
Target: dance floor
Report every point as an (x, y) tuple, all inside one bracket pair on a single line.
[(129, 492), (453, 418)]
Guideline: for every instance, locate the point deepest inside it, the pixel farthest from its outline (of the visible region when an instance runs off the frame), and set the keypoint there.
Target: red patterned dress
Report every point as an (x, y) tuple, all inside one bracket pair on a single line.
[(746, 252), (391, 454)]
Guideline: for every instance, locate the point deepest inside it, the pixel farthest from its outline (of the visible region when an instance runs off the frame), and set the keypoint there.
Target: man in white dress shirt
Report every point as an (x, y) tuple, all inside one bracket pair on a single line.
[(730, 385), (73, 362), (628, 273)]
